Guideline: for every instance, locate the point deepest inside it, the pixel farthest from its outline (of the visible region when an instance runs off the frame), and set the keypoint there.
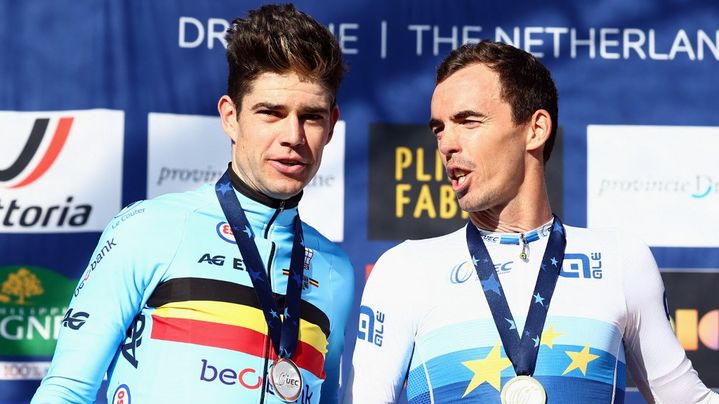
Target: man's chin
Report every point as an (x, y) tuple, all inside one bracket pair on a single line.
[(286, 192)]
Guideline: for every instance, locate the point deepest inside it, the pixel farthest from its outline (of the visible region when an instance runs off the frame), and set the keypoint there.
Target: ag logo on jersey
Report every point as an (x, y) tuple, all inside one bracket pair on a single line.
[(60, 171)]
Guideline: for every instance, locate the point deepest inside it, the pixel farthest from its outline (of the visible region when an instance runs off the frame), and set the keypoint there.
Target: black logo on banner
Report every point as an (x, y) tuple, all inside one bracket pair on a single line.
[(134, 339), (37, 134), (76, 320), (409, 194)]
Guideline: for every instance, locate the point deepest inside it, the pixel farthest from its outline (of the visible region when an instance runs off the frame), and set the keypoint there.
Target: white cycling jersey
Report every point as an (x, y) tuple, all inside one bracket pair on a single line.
[(424, 319)]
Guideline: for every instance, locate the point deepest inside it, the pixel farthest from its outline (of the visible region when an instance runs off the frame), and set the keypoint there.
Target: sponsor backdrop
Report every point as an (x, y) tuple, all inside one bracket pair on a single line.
[(104, 103)]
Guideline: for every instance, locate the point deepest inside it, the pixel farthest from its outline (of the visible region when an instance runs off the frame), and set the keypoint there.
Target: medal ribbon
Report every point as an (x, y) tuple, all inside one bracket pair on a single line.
[(522, 351), (283, 334)]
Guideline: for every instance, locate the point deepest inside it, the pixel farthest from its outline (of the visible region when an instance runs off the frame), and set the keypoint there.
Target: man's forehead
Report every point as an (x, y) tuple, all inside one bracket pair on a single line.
[(288, 87)]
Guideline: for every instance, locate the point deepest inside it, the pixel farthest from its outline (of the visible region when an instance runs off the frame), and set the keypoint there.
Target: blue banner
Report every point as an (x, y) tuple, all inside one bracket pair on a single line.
[(103, 103)]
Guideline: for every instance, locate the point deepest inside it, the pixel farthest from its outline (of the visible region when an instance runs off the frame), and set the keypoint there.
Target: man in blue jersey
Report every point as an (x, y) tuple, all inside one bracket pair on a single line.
[(222, 294), (515, 307)]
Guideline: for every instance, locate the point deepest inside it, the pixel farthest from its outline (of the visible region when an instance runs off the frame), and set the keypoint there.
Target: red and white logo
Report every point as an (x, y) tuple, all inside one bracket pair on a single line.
[(122, 395), (225, 232), (60, 171)]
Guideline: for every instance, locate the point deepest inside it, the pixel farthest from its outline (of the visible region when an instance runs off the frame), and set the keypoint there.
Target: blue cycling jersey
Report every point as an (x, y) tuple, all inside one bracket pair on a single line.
[(167, 309)]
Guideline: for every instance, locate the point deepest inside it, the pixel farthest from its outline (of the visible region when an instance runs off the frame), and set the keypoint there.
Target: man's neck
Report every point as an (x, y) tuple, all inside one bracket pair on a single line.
[(528, 210)]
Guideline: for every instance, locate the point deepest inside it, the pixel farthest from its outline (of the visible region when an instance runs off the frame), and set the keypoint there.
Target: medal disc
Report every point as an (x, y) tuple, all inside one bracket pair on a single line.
[(523, 390), (286, 380)]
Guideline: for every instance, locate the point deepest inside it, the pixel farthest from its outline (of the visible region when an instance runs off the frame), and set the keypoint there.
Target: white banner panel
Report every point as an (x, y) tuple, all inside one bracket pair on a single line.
[(186, 151), (60, 171), (659, 182)]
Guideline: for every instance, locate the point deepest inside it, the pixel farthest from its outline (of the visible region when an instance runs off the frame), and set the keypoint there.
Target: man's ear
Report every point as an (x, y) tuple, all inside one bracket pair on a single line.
[(334, 117), (538, 130), (228, 116)]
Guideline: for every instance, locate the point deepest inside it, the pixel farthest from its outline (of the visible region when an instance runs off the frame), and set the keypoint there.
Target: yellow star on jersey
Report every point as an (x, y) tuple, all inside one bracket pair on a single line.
[(549, 335), (580, 360), (487, 370)]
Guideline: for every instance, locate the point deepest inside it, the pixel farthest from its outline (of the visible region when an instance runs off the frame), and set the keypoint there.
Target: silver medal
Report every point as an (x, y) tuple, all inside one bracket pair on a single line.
[(286, 380), (523, 390)]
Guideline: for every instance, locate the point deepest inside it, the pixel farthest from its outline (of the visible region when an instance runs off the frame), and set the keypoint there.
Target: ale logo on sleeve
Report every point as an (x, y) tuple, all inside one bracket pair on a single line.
[(60, 171)]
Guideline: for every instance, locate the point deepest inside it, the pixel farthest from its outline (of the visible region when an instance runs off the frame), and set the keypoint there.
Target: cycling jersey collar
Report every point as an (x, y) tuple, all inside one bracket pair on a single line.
[(256, 196), (515, 238)]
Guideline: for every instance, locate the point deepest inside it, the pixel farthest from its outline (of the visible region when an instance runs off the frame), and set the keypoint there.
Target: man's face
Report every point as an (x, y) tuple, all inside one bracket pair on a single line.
[(279, 133), (481, 147)]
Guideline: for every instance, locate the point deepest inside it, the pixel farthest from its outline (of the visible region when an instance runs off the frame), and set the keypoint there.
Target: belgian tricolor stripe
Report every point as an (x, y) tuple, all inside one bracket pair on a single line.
[(311, 281), (226, 315)]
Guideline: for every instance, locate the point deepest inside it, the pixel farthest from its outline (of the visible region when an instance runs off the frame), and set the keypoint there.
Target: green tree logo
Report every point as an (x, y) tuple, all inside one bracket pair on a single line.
[(22, 284)]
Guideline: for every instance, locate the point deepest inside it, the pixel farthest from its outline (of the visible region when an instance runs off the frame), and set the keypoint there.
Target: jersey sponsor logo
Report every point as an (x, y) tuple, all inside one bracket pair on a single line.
[(247, 377), (225, 232), (104, 251), (461, 273), (122, 395), (32, 303), (582, 266), (465, 271), (44, 189), (219, 260), (75, 320), (371, 326), (128, 213), (133, 340)]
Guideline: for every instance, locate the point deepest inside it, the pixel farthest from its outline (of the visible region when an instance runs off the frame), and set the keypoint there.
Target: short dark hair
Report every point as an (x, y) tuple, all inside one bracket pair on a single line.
[(281, 39), (526, 84)]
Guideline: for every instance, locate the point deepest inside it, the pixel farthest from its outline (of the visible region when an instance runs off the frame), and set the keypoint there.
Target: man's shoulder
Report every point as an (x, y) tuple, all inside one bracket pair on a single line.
[(430, 245), (318, 242), (164, 213), (426, 252), (613, 234)]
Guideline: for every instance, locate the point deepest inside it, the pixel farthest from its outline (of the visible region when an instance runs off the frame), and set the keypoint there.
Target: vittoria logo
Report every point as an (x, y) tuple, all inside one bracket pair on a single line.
[(44, 189), (37, 134)]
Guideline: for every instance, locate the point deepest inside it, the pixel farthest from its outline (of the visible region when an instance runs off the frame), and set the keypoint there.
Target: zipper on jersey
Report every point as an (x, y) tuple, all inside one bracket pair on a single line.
[(272, 220), (524, 255)]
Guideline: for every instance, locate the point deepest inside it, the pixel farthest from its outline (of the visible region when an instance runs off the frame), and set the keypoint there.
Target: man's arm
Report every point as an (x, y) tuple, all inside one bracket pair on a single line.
[(386, 330), (655, 358), (342, 279), (109, 295)]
